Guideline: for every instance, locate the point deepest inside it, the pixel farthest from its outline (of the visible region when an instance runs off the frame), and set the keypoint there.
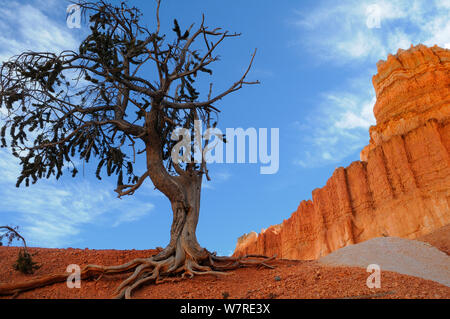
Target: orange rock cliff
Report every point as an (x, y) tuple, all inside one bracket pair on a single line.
[(401, 185)]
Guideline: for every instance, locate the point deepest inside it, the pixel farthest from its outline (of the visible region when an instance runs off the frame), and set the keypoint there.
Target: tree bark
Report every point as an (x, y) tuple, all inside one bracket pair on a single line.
[(183, 242), (184, 194)]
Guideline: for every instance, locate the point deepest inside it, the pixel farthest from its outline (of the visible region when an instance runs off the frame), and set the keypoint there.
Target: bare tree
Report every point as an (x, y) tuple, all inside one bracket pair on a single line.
[(126, 88)]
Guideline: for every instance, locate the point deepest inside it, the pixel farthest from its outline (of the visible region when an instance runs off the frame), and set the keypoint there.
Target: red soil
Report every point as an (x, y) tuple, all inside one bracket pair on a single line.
[(297, 279)]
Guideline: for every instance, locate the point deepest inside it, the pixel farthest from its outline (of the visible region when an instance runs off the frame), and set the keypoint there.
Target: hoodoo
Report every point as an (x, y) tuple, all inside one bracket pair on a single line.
[(401, 185)]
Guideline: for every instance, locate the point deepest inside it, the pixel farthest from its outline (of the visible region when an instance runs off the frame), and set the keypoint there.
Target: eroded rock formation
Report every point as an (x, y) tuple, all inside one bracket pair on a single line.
[(401, 186)]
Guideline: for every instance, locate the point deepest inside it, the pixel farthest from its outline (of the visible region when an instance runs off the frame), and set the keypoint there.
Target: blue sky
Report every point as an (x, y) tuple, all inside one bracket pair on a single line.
[(315, 62)]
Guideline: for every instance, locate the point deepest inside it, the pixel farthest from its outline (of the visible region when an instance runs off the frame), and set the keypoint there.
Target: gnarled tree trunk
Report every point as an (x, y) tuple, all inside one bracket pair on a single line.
[(184, 193), (183, 240)]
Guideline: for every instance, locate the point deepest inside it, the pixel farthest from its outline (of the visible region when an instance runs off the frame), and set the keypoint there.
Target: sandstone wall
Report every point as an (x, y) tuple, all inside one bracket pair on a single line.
[(401, 186)]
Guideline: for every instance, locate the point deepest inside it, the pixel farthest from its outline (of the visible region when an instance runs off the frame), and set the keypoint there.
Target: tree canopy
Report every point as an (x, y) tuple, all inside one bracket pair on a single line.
[(95, 101)]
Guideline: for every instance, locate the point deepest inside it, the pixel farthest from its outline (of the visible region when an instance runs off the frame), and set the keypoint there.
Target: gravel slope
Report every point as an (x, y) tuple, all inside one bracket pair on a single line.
[(404, 256)]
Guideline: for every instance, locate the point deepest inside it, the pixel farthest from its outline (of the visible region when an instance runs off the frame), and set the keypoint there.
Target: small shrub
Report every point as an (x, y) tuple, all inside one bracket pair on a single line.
[(25, 263)]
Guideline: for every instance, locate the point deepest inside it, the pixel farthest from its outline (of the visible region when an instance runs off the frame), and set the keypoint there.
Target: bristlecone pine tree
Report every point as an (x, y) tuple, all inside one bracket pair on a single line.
[(98, 101)]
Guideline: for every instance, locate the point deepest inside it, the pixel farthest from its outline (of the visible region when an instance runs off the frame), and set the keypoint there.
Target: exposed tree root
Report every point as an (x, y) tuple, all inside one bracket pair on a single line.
[(148, 270)]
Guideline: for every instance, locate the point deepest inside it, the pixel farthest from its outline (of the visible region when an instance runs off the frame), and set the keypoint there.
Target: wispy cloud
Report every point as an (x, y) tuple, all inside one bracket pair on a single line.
[(338, 127), (26, 27), (339, 31), (52, 213)]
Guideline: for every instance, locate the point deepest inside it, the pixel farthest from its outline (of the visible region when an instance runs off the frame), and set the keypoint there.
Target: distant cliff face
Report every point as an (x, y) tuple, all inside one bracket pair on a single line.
[(401, 186)]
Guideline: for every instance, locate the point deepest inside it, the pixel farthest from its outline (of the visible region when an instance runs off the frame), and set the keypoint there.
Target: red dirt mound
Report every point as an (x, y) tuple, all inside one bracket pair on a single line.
[(290, 279)]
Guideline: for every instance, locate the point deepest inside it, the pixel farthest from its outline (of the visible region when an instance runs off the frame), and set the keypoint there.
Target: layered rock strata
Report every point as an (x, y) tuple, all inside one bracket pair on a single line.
[(401, 185)]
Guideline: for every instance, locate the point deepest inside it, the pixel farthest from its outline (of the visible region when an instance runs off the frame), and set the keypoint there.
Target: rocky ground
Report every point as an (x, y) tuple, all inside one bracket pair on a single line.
[(290, 279)]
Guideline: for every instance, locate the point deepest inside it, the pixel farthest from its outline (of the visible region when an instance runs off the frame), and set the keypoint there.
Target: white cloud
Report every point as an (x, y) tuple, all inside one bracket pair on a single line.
[(352, 112), (337, 129), (340, 32), (26, 27), (52, 213), (137, 212)]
